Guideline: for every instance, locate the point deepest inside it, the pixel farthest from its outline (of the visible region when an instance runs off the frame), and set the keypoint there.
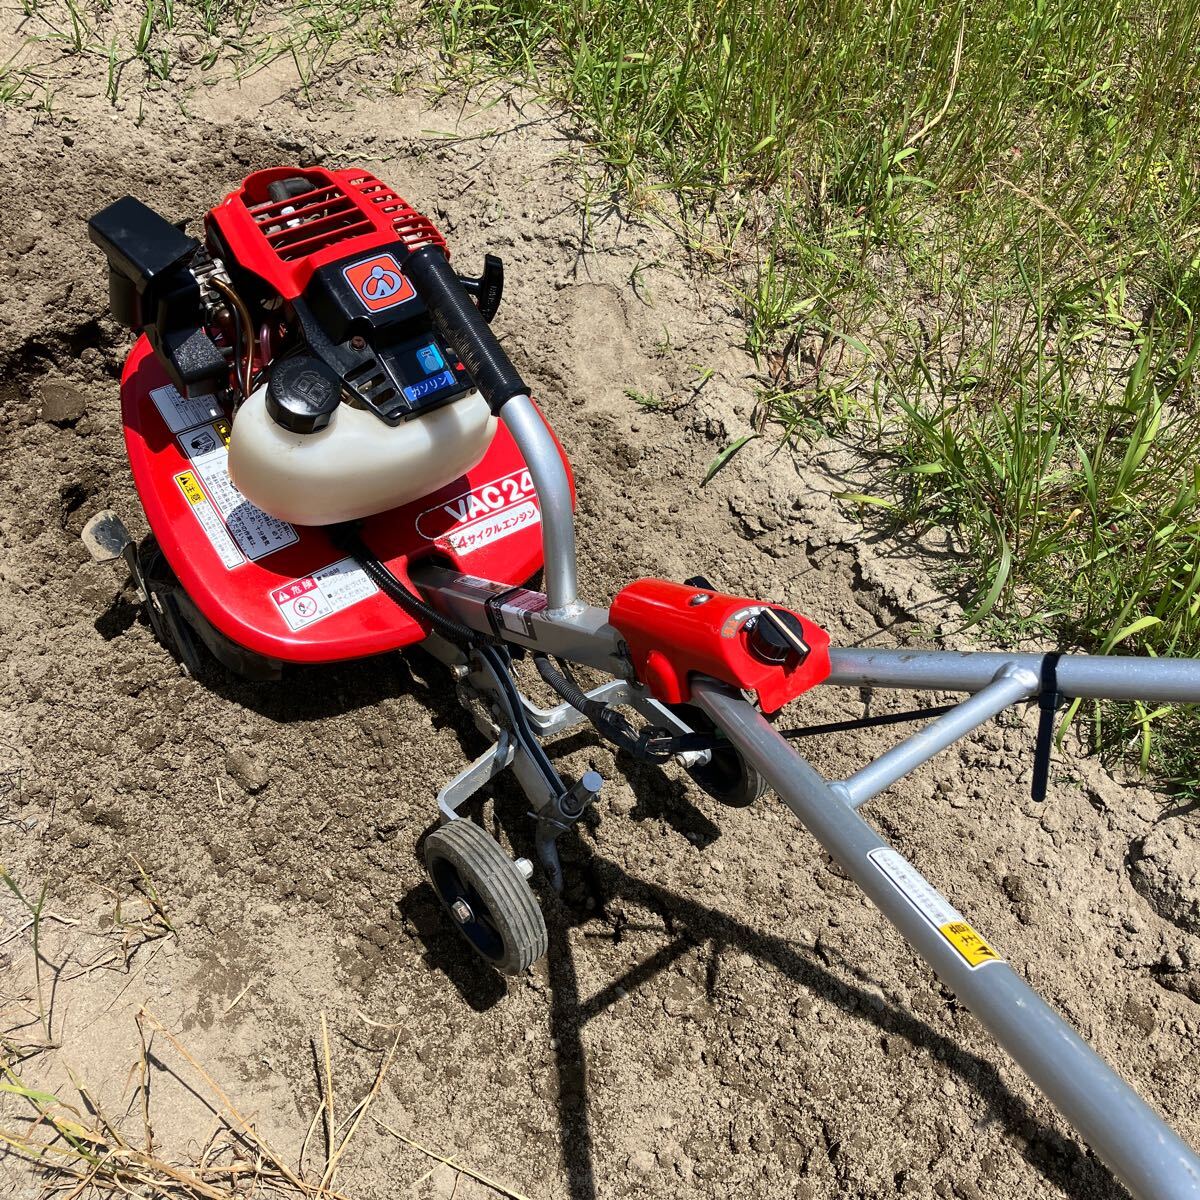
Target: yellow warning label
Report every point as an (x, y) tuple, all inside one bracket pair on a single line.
[(190, 487), (224, 429), (968, 943)]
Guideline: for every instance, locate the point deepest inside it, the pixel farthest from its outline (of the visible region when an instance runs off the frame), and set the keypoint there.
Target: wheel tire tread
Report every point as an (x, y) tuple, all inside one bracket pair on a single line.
[(473, 852)]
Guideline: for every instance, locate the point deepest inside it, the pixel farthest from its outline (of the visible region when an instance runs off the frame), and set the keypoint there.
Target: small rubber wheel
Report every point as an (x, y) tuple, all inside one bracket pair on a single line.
[(727, 776), (487, 897)]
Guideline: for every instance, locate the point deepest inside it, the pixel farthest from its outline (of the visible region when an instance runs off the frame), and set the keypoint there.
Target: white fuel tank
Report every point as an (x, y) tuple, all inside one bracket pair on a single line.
[(356, 465)]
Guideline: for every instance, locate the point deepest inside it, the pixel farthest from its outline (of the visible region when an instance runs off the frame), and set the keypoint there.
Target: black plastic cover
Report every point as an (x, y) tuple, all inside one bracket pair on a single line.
[(383, 346), (488, 289), (194, 356), (289, 189), (303, 393), (151, 288), (343, 313), (140, 244)]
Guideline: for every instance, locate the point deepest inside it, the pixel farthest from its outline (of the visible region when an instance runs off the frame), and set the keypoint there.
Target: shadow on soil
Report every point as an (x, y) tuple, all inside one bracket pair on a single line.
[(361, 684), (1061, 1161)]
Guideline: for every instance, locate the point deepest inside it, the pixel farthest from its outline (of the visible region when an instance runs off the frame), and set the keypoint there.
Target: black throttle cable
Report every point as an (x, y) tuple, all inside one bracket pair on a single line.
[(347, 538), (651, 745), (492, 654)]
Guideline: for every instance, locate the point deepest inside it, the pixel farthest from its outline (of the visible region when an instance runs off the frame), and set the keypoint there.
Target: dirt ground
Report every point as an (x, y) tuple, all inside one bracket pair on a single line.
[(720, 1014)]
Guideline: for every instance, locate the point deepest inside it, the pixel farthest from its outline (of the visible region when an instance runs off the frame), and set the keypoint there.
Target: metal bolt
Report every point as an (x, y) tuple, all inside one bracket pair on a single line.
[(525, 867), (699, 598), (461, 911), (358, 342), (582, 794)]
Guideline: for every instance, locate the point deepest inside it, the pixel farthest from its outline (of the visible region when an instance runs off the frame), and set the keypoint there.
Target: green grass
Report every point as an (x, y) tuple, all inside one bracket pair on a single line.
[(968, 235), (143, 47), (35, 910)]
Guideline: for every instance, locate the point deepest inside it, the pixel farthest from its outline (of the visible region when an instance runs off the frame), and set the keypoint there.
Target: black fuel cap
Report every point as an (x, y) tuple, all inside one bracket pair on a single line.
[(302, 393)]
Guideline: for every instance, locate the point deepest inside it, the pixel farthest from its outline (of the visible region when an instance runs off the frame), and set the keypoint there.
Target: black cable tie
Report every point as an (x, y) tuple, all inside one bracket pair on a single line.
[(1049, 699)]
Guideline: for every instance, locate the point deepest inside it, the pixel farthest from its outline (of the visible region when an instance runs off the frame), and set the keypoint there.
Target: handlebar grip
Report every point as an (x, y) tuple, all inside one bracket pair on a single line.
[(462, 325)]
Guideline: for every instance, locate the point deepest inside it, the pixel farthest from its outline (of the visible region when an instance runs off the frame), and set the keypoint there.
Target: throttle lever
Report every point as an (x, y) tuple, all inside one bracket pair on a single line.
[(488, 289)]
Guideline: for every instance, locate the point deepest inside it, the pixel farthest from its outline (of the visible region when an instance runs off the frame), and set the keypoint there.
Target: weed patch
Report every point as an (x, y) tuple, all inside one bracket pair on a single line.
[(969, 235)]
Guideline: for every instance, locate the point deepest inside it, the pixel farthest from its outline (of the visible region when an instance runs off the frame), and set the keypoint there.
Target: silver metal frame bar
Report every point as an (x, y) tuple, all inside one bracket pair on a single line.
[(1012, 684), (1090, 676), (1152, 1161), (541, 454), (581, 633), (474, 775), (1149, 1158)]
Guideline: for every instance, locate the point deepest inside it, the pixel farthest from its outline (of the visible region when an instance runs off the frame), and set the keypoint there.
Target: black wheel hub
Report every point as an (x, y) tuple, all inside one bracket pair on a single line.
[(468, 908)]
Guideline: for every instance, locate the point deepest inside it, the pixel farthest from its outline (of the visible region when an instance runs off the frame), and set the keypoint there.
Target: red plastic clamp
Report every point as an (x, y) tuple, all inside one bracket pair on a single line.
[(675, 631)]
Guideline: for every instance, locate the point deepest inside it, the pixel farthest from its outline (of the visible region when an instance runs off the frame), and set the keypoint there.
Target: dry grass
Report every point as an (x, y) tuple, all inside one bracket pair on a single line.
[(75, 1148), (79, 1150)]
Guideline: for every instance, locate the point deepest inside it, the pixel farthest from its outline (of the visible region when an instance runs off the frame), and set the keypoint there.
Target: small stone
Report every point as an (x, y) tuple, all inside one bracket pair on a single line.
[(641, 1162), (150, 737), (621, 800), (683, 998), (1140, 1016), (62, 403), (190, 49), (246, 770)]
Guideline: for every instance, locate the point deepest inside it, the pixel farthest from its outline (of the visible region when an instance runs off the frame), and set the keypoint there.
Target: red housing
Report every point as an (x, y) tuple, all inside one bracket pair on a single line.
[(287, 592), (347, 212), (485, 523), (672, 636)]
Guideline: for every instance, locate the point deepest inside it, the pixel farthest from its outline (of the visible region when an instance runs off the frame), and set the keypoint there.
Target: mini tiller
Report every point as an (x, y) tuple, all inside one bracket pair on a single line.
[(337, 459)]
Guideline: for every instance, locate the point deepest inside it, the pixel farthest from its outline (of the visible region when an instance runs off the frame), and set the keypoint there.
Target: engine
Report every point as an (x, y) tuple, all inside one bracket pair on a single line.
[(295, 312)]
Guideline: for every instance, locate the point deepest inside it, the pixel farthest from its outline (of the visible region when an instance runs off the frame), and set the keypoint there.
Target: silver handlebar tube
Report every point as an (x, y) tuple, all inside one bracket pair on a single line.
[(542, 457), (1141, 1149), (1161, 680), (1153, 1161)]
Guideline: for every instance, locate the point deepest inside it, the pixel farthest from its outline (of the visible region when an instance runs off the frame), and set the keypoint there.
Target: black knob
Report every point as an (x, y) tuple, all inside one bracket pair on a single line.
[(775, 634), (302, 393)]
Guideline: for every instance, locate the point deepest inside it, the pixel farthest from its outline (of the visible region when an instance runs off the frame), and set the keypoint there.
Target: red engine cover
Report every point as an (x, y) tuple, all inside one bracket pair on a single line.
[(286, 592), (284, 242), (672, 637)]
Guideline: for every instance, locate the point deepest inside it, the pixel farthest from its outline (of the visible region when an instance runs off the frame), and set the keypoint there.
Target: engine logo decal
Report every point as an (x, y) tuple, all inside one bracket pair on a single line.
[(483, 515), (379, 283)]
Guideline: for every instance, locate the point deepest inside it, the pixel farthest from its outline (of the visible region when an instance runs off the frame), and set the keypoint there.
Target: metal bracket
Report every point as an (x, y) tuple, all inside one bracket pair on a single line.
[(471, 778), (1011, 683), (546, 723)]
